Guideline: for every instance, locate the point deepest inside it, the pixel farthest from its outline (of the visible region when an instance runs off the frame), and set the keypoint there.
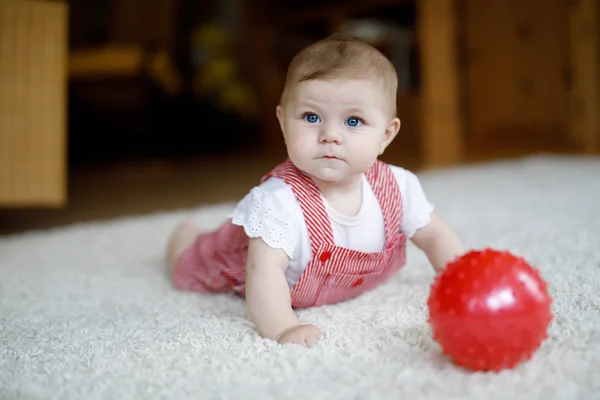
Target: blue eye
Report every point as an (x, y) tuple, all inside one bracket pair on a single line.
[(353, 121), (311, 118)]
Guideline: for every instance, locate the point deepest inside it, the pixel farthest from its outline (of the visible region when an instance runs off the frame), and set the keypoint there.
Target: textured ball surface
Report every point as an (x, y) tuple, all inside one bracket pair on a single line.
[(489, 310)]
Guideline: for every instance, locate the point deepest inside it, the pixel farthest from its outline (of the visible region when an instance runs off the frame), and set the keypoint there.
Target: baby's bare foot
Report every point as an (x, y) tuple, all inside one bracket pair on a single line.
[(180, 239)]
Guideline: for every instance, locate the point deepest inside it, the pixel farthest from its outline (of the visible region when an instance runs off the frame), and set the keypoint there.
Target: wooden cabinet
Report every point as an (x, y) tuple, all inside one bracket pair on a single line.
[(33, 52), (531, 75)]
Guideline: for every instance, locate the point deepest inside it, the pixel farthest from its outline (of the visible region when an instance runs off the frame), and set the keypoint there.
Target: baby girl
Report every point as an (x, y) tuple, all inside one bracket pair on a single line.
[(331, 221)]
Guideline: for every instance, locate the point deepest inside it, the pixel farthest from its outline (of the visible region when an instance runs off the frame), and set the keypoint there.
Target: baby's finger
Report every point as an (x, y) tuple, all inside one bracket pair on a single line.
[(309, 340), (300, 340), (312, 339)]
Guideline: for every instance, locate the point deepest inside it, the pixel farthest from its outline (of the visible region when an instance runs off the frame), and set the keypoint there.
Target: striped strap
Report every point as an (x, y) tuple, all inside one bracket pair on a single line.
[(309, 197), (384, 184)]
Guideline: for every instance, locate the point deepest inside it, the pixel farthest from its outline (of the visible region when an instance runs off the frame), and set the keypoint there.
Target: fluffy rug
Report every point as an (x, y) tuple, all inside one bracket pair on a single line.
[(87, 311)]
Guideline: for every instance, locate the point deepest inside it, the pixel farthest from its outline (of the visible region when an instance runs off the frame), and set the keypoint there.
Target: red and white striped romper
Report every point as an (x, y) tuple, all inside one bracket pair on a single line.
[(216, 260)]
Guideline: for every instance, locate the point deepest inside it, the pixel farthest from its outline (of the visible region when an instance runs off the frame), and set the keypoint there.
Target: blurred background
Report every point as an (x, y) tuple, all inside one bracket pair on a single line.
[(113, 108)]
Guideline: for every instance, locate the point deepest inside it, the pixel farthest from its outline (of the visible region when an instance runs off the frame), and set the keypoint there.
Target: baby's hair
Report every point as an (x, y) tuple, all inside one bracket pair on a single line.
[(339, 56)]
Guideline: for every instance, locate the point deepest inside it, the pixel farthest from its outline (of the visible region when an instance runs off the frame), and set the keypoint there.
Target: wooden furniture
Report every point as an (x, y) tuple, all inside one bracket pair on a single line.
[(530, 72), (441, 116), (584, 80), (140, 37), (33, 55)]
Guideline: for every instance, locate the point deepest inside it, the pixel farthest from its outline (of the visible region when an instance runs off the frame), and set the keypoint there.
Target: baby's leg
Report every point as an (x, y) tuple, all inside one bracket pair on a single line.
[(206, 261), (183, 237)]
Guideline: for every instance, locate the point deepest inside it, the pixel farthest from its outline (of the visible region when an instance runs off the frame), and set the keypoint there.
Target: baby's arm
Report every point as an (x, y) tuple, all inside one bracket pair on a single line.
[(268, 297), (439, 242), (267, 292)]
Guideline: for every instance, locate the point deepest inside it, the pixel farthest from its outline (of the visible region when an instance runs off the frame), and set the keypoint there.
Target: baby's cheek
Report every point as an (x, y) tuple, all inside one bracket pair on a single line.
[(298, 152), (367, 147), (366, 155), (297, 146)]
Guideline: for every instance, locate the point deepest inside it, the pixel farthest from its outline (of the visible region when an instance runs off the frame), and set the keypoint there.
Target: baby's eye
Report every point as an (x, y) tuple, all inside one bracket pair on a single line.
[(353, 121), (311, 118)]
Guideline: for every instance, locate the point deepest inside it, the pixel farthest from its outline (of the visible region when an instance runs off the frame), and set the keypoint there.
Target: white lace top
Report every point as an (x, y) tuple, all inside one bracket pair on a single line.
[(270, 211)]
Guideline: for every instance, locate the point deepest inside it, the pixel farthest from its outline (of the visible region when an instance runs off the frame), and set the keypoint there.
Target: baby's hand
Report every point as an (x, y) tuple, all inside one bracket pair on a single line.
[(305, 335)]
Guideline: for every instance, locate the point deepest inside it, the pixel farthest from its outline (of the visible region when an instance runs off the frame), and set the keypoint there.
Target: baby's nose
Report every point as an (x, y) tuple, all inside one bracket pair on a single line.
[(331, 135)]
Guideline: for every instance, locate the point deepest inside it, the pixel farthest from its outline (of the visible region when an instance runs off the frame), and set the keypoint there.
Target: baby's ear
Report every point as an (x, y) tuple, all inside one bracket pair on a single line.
[(390, 133), (393, 127), (280, 116)]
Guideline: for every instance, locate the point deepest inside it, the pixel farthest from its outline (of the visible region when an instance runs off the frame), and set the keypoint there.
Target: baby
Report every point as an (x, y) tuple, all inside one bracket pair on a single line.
[(330, 222)]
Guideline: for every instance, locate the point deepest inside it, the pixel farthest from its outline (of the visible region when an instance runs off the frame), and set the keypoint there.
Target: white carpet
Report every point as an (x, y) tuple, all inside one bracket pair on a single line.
[(87, 312)]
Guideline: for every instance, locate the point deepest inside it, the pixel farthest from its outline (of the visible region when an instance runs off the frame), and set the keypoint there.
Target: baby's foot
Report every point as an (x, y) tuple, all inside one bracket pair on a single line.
[(180, 239)]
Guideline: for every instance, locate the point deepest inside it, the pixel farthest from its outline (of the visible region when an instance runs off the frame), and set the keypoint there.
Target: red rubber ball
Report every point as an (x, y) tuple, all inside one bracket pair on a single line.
[(489, 310)]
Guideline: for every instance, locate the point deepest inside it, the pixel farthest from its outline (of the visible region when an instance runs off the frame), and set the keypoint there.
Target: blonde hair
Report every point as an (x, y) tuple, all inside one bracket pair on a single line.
[(339, 56)]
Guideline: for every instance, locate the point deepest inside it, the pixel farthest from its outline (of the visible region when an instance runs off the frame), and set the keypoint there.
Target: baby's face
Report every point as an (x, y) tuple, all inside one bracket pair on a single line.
[(335, 129)]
